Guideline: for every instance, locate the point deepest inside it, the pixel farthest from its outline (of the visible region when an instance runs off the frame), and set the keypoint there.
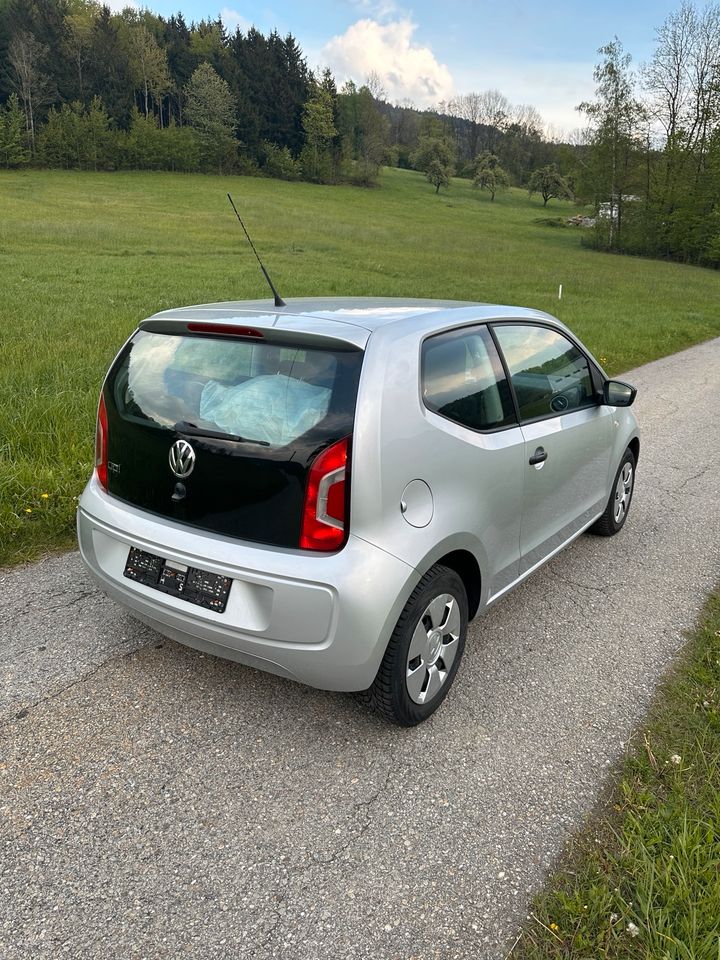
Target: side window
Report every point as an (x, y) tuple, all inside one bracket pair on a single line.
[(548, 372), (463, 379)]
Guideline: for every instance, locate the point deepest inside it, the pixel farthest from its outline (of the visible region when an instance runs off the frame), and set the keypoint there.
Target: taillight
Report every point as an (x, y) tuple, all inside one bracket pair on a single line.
[(323, 526), (101, 444)]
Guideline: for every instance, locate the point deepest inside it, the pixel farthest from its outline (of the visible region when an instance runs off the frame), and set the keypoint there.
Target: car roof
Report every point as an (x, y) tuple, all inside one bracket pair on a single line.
[(348, 318)]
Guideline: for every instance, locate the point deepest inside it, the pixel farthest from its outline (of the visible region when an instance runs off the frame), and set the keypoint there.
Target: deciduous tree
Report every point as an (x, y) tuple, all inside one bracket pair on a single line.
[(316, 159), (549, 184), (364, 132), (149, 66), (616, 117), (488, 174), (26, 56), (435, 157)]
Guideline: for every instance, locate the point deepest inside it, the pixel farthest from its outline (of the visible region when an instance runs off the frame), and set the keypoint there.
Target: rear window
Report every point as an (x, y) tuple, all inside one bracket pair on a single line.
[(463, 379), (270, 393)]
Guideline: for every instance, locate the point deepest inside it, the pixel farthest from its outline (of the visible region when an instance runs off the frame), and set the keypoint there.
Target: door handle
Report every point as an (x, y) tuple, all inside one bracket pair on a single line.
[(540, 456)]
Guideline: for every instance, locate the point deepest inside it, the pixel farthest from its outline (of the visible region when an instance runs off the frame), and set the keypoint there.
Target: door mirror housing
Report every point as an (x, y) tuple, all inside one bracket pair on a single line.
[(618, 394)]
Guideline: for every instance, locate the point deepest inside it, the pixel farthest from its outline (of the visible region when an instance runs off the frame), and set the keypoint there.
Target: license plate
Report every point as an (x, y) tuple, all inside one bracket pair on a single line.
[(204, 589)]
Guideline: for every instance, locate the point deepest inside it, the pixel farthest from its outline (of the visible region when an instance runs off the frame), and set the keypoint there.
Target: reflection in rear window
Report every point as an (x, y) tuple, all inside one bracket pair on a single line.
[(261, 391)]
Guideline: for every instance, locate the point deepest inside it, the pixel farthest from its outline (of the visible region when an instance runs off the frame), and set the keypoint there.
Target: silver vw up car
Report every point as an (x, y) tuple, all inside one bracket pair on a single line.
[(332, 489)]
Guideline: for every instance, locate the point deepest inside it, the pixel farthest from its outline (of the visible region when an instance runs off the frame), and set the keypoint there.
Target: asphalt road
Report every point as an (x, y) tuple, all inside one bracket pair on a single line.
[(155, 802)]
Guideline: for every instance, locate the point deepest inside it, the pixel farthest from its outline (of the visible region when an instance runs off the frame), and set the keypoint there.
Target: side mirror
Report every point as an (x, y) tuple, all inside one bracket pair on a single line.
[(618, 394)]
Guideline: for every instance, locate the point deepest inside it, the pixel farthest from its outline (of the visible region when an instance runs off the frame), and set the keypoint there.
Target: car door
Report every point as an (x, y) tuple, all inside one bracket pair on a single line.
[(478, 449), (567, 434)]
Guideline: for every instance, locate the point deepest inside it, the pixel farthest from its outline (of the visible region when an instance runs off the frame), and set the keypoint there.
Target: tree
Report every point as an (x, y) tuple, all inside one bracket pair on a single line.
[(526, 119), (435, 157), (364, 133), (316, 158), (523, 147), (97, 136), (12, 148), (149, 67), (682, 77), (108, 72), (682, 80), (211, 111), (60, 142), (488, 174), (180, 150), (616, 117), (549, 184), (143, 147), (468, 107), (375, 86), (26, 56), (494, 110), (373, 133), (181, 62), (79, 43)]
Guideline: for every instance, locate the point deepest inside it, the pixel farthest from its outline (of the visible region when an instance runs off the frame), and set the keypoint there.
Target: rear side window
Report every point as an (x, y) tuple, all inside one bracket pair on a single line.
[(268, 392), (549, 374), (463, 379)]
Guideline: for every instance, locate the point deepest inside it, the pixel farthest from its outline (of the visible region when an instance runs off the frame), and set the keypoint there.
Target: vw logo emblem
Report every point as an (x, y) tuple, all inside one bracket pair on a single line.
[(182, 459)]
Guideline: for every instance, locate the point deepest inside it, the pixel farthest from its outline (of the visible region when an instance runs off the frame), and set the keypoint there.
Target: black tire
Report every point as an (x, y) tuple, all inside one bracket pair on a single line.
[(609, 524), (389, 695)]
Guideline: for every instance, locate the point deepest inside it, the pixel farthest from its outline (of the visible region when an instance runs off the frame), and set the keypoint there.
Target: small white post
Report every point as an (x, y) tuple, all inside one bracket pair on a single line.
[(560, 292)]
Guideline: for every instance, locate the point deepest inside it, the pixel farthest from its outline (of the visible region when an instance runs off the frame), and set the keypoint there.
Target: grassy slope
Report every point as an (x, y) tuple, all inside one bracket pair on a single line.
[(650, 889), (83, 257)]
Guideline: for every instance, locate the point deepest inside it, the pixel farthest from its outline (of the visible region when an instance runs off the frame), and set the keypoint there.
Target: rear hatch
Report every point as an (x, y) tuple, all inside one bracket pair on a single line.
[(256, 408)]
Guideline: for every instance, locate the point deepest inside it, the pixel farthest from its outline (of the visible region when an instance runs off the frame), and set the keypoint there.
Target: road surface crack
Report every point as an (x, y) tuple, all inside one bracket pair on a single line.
[(695, 476), (604, 590), (360, 805), (25, 710)]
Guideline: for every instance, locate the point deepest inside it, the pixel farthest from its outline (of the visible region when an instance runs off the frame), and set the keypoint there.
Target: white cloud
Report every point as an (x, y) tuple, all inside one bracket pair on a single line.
[(234, 20), (407, 70)]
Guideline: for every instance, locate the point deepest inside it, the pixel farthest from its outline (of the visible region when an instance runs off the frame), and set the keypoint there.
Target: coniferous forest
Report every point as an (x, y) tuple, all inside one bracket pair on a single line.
[(82, 87)]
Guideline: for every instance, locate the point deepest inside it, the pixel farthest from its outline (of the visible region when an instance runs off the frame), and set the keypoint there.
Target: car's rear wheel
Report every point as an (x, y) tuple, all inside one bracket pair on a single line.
[(425, 650), (618, 505)]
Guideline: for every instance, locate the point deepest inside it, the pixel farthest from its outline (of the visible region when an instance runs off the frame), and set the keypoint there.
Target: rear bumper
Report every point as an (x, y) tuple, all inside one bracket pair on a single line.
[(323, 620)]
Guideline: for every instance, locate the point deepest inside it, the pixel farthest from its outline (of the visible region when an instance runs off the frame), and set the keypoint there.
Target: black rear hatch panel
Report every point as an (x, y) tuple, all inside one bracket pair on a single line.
[(249, 490)]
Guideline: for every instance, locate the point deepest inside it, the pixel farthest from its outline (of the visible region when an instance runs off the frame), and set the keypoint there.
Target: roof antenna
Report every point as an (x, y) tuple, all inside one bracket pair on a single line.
[(279, 302)]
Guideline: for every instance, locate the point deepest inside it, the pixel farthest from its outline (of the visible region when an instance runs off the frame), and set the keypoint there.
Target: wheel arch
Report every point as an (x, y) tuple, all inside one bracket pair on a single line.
[(467, 568)]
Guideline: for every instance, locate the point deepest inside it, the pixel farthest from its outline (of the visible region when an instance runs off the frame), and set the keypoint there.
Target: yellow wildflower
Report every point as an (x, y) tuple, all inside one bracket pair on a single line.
[(28, 509), (554, 926), (44, 496)]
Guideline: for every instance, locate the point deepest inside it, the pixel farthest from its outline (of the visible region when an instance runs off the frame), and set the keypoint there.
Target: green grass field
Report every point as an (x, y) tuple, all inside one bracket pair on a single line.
[(84, 257)]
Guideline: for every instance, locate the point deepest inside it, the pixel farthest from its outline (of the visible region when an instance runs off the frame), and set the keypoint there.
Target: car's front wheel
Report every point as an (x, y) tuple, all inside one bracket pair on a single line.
[(618, 505), (425, 650)]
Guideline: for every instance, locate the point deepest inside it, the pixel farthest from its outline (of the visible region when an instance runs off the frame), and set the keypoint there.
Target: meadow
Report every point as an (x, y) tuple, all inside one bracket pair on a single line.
[(85, 256)]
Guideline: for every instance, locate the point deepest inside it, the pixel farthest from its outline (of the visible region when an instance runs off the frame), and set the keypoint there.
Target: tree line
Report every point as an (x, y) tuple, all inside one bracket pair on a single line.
[(650, 162), (83, 87)]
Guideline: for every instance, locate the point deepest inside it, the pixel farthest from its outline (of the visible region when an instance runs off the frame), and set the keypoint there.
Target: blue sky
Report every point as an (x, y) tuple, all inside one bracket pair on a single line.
[(539, 53)]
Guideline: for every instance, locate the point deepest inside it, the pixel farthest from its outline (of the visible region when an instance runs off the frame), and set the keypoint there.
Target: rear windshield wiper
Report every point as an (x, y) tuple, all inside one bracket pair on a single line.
[(192, 429)]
